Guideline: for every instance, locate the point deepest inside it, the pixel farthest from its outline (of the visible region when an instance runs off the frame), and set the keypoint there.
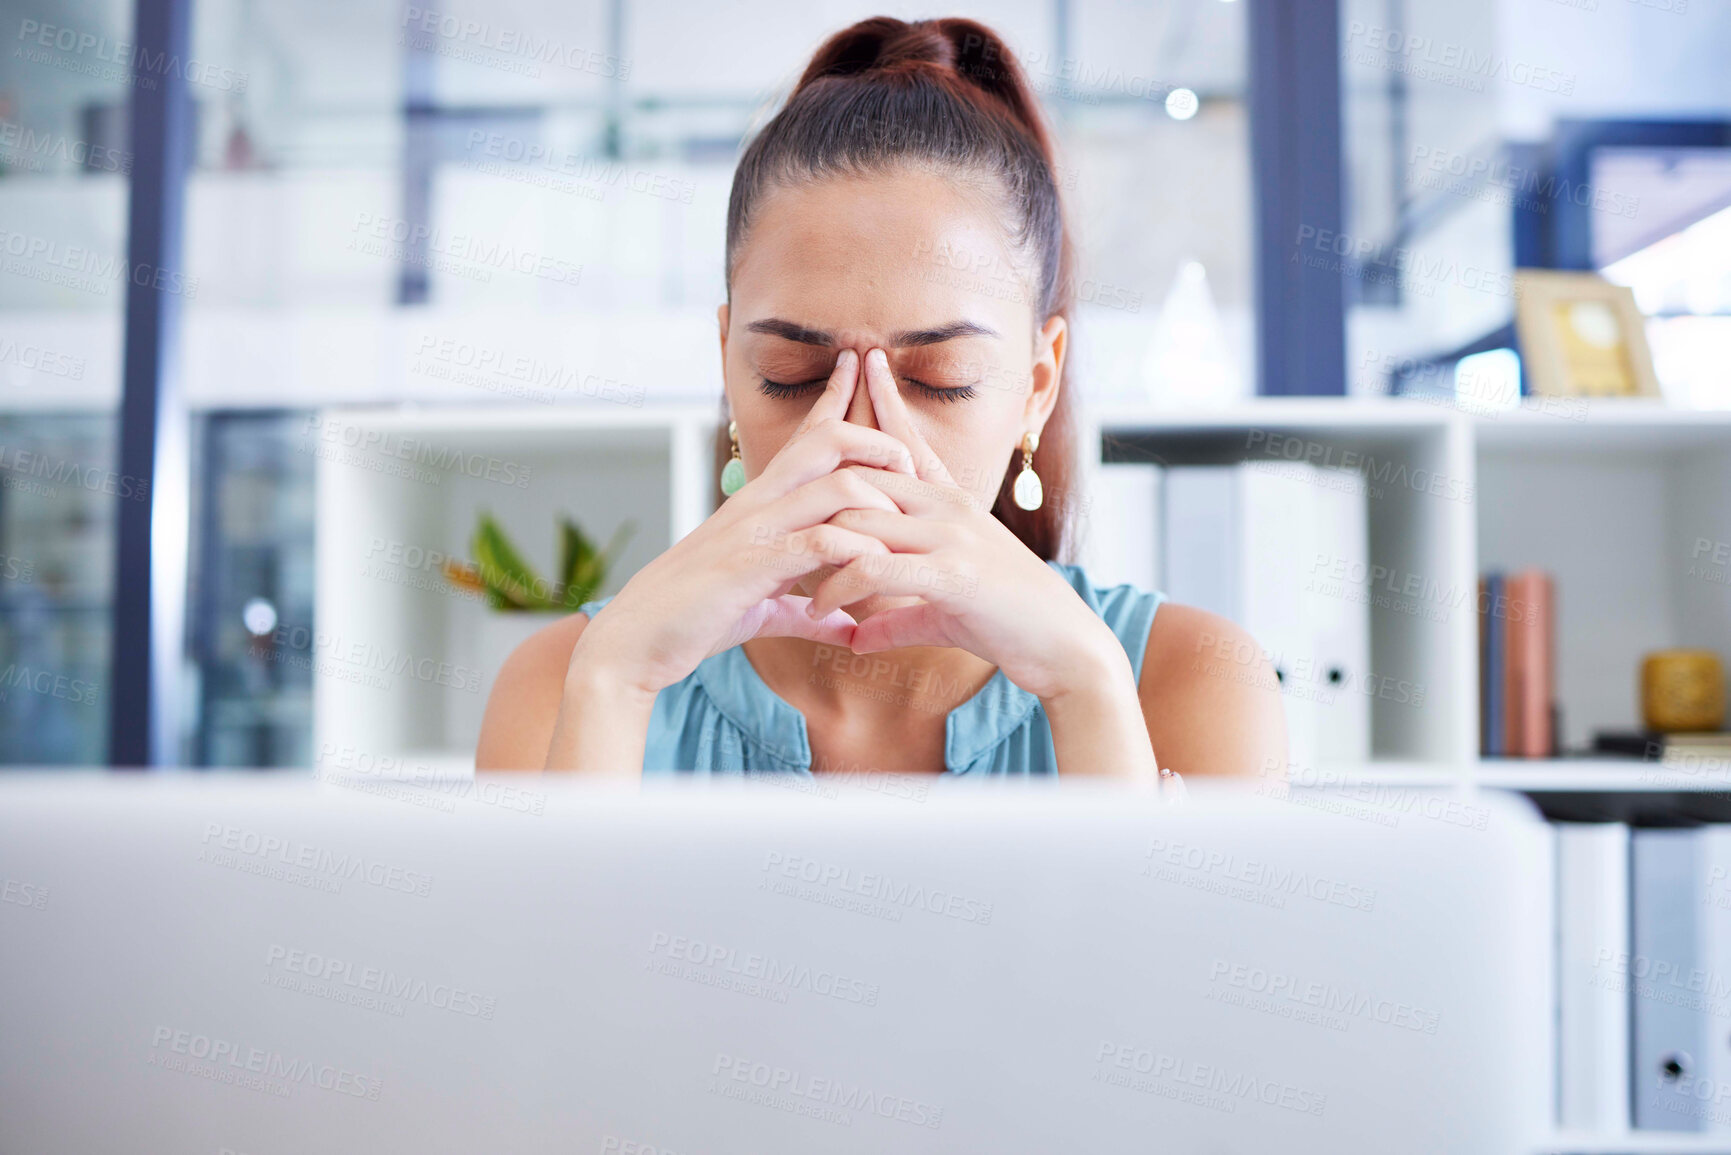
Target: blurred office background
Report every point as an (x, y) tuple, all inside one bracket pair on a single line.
[(597, 141)]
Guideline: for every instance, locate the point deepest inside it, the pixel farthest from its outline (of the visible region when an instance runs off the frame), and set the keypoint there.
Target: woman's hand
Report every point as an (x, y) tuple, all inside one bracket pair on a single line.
[(981, 588), (728, 580)]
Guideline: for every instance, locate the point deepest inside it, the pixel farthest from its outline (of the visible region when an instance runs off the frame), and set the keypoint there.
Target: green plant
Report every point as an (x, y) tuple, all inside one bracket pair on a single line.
[(500, 574)]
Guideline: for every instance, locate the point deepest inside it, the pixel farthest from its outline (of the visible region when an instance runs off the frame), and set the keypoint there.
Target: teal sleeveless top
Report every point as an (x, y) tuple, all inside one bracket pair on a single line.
[(722, 718)]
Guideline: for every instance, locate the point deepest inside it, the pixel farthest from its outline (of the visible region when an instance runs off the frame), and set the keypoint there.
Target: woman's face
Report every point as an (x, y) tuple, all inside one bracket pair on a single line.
[(913, 263)]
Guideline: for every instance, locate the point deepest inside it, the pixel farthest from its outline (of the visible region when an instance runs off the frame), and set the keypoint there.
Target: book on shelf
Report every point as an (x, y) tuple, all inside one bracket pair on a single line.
[(1491, 701), (1517, 665), (1709, 750)]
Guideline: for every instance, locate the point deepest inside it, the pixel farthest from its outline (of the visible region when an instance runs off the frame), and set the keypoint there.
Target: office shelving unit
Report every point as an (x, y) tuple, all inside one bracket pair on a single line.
[(1614, 498)]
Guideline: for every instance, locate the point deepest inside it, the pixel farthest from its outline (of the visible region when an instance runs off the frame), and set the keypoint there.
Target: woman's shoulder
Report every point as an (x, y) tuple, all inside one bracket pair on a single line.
[(524, 703), (1207, 689), (1210, 696)]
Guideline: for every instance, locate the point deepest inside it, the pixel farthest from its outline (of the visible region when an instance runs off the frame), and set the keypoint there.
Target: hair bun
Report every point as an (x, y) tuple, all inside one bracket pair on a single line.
[(886, 47), (880, 44)]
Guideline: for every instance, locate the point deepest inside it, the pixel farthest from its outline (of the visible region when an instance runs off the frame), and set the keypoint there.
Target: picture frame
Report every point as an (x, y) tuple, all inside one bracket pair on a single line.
[(1581, 336)]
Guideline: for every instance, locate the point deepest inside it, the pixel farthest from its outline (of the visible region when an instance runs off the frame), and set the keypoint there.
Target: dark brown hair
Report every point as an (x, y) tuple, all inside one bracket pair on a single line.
[(941, 93)]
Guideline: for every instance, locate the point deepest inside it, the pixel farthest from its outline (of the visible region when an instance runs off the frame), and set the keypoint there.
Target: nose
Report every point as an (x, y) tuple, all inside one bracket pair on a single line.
[(859, 410)]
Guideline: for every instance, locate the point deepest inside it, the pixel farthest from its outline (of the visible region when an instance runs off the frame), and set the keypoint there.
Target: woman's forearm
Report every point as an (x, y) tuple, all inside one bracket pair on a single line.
[(603, 723), (1098, 727)]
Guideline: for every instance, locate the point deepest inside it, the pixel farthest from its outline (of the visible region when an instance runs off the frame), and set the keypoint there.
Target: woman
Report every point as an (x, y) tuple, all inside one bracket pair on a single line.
[(893, 347)]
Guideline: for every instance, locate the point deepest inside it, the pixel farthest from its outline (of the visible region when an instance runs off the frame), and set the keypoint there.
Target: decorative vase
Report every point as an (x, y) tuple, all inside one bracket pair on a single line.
[(1682, 691)]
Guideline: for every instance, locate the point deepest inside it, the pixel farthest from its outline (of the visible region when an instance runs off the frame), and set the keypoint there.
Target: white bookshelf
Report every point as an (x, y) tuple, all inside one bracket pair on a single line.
[(1612, 498), (603, 466)]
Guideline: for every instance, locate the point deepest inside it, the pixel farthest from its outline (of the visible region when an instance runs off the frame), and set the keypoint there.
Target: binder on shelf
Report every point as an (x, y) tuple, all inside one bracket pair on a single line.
[(1666, 1028), (1592, 977), (1484, 665), (1121, 539), (1282, 549), (1707, 990)]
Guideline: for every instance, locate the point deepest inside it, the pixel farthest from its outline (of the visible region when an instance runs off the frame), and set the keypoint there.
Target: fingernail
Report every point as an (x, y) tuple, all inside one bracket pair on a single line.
[(845, 356), (880, 356)]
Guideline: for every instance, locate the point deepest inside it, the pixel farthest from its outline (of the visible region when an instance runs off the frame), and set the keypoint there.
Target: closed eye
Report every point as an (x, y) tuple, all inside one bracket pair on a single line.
[(786, 390)]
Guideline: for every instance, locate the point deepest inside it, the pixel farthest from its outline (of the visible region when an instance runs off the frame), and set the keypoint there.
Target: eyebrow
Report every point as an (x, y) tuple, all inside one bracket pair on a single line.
[(805, 335)]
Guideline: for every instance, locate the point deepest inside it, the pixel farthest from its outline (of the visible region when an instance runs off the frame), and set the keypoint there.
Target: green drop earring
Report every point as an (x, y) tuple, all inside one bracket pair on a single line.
[(733, 473)]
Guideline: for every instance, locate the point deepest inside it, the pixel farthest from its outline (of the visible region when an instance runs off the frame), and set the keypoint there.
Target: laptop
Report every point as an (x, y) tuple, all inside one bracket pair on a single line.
[(267, 965)]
